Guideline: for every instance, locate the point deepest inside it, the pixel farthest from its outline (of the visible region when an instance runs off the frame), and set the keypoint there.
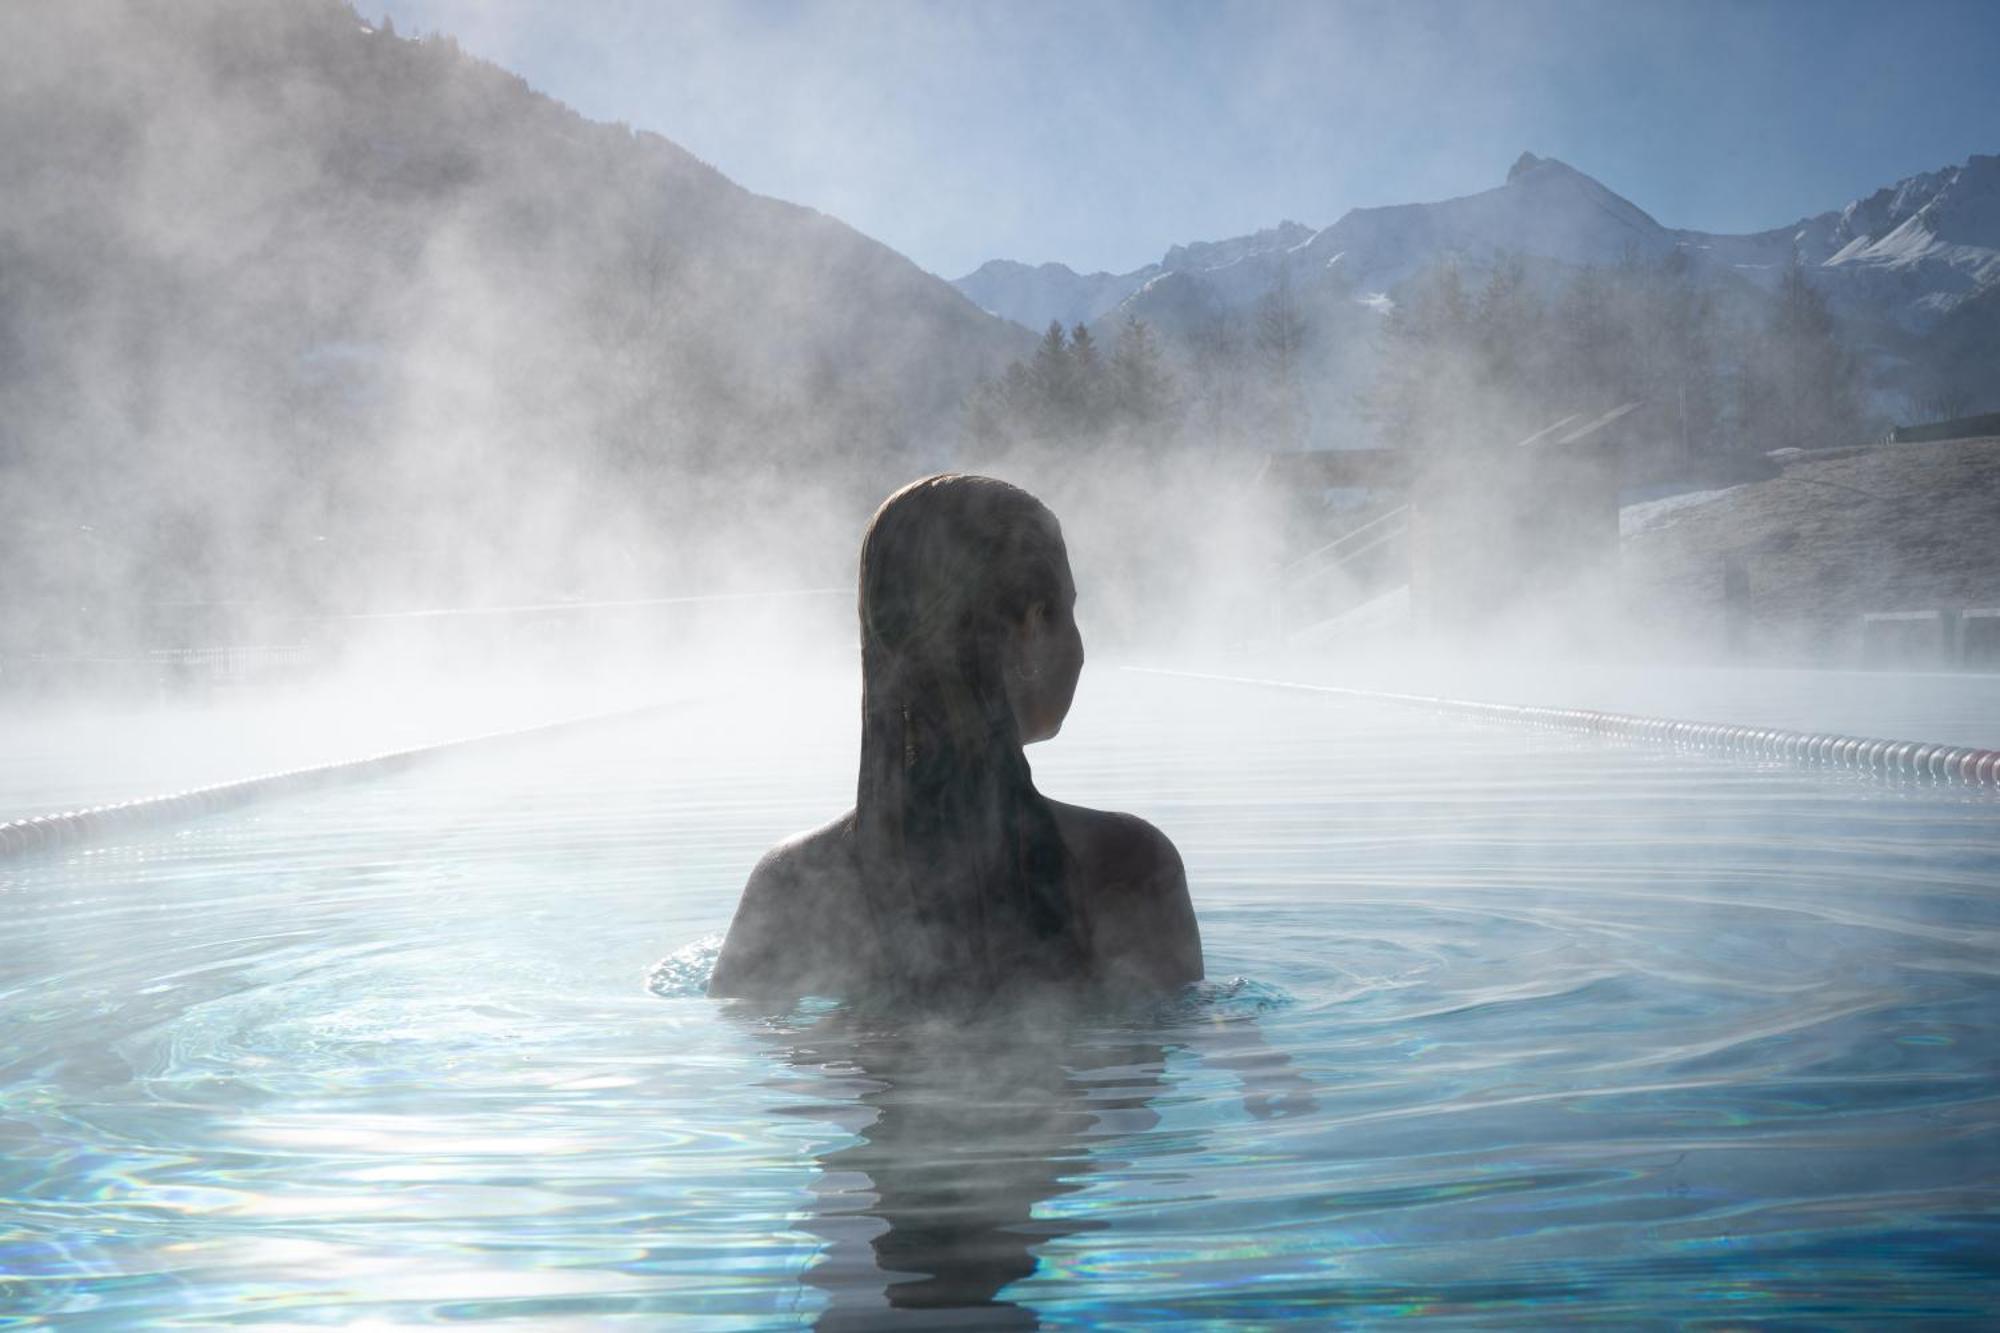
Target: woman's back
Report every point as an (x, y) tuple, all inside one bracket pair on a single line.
[(953, 876), (802, 927)]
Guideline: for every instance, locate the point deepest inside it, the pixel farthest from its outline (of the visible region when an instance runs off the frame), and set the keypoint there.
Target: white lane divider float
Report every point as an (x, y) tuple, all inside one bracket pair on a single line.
[(48, 832), (1889, 760)]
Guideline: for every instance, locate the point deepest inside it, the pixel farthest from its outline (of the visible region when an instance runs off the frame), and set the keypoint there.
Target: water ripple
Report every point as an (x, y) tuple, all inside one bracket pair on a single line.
[(1504, 1028)]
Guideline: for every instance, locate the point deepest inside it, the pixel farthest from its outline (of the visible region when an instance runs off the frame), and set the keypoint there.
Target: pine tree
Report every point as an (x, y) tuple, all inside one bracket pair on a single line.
[(1681, 321), (1281, 328), (1799, 385), (1280, 340), (1052, 382), (1141, 389), (1424, 396), (1593, 345), (1507, 337), (1089, 408), (1083, 353)]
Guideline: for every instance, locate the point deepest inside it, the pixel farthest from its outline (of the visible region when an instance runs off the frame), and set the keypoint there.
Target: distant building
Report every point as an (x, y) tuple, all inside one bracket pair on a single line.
[(1526, 533), (1960, 428)]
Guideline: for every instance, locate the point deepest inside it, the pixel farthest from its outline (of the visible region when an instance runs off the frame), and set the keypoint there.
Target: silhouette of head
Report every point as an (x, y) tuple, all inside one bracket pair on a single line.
[(966, 577), (969, 651)]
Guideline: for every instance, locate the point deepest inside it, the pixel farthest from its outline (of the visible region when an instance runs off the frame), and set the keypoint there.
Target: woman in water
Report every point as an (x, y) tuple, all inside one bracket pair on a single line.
[(953, 877)]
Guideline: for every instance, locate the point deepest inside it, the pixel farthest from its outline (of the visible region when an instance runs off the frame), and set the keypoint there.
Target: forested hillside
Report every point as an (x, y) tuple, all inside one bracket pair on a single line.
[(298, 315), (1727, 374), (1504, 309)]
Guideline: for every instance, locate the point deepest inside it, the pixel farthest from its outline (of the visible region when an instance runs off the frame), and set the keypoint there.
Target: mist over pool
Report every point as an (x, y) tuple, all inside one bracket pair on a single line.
[(1532, 553)]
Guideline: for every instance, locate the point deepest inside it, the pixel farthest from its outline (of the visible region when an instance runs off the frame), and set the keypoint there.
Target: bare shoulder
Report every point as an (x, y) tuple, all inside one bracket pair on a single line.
[(1134, 887), (808, 857), (784, 936), (1119, 848)]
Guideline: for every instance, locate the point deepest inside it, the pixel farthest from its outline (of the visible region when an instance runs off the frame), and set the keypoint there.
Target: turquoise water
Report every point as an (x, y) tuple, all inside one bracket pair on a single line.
[(1503, 1026)]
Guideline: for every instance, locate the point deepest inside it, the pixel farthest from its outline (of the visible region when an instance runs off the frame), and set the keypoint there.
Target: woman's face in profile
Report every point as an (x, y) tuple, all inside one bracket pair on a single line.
[(1050, 649)]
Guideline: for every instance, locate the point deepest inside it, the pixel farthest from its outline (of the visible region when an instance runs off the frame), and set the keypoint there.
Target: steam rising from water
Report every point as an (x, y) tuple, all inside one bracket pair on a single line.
[(1525, 1019), (306, 321), (437, 404)]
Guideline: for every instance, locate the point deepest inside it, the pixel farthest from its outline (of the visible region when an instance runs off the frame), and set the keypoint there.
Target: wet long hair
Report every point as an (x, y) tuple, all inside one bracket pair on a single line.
[(962, 865)]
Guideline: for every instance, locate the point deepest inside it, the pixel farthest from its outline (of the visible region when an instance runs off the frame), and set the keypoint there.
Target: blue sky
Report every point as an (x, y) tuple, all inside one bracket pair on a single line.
[(1098, 132)]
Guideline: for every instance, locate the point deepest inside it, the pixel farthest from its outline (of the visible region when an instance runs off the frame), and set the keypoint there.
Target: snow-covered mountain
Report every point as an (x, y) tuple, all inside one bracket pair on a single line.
[(1903, 257), (1910, 252)]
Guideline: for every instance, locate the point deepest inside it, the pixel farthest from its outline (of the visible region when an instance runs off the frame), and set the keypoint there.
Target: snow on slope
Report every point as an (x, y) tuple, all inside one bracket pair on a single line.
[(1906, 254), (1545, 209)]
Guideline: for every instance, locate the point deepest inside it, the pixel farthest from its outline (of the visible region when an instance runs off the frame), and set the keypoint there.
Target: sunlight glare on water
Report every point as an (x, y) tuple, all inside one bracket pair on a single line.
[(1501, 1025)]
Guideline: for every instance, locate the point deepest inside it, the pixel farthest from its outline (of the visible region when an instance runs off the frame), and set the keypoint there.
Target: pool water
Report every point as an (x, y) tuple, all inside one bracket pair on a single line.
[(1502, 1027)]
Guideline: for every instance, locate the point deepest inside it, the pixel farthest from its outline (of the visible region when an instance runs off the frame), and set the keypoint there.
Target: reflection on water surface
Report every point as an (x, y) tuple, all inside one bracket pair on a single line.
[(1536, 1029)]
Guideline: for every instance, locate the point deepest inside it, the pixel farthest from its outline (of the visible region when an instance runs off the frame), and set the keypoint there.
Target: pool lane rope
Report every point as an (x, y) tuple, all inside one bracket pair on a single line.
[(72, 827), (1904, 761)]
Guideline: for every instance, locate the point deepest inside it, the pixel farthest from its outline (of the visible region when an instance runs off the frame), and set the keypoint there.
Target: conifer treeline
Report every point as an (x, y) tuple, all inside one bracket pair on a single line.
[(1725, 372), (1499, 364), (1231, 380), (1068, 389)]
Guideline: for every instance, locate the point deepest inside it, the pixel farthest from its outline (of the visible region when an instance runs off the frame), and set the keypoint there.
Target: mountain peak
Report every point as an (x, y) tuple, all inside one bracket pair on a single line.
[(1944, 223), (1546, 168)]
